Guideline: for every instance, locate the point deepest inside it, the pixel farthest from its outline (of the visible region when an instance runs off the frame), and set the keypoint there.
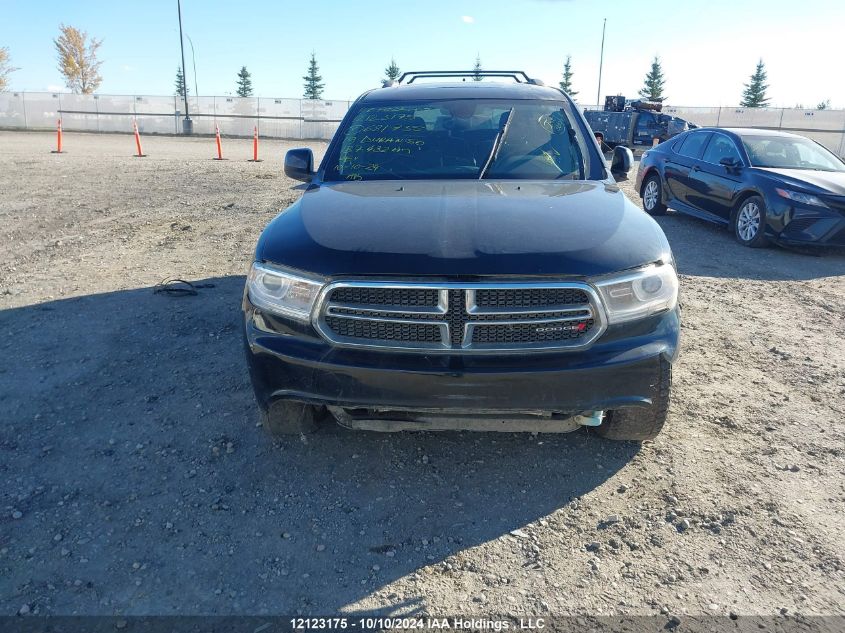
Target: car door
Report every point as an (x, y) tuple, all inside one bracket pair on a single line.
[(678, 163), (713, 186)]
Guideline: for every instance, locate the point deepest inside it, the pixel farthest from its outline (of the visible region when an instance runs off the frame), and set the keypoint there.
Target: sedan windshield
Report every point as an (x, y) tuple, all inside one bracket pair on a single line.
[(460, 138), (788, 152)]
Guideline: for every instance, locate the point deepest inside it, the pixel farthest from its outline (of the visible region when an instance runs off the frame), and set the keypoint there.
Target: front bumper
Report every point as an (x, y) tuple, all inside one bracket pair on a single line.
[(804, 225), (621, 369)]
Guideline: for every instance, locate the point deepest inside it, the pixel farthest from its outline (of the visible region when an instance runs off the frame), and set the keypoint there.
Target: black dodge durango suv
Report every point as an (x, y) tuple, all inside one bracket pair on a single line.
[(463, 259)]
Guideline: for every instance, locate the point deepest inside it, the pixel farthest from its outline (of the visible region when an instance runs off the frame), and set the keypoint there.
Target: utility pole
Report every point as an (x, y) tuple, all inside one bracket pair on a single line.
[(601, 62), (187, 124), (194, 58)]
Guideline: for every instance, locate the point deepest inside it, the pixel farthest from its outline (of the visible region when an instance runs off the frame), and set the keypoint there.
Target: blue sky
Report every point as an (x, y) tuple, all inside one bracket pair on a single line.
[(708, 48)]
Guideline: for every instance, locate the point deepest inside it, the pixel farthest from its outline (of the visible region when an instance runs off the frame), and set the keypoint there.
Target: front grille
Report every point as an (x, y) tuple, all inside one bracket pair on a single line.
[(386, 296), (529, 297), (385, 330), (458, 317)]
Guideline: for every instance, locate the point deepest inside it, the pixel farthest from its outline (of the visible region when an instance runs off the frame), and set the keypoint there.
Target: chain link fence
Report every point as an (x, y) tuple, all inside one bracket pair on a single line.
[(236, 116), (317, 119)]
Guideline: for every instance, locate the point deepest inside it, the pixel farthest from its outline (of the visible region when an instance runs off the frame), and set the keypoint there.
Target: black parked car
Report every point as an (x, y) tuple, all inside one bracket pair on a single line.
[(766, 185), (463, 259)]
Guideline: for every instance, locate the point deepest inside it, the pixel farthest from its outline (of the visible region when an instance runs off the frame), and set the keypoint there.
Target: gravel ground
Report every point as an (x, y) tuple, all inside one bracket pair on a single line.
[(135, 479)]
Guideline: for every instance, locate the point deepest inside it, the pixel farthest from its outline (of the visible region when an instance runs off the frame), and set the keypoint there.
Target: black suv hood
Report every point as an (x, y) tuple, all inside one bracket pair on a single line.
[(462, 228)]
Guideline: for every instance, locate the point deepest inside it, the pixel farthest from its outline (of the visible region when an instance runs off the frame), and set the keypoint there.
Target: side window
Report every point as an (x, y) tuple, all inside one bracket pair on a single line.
[(720, 147), (694, 144)]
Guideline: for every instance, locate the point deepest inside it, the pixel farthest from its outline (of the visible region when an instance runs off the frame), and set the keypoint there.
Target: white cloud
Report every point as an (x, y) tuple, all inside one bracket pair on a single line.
[(467, 19)]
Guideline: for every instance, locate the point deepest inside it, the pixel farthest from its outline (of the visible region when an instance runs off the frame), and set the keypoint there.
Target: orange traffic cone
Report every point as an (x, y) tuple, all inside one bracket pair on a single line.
[(140, 154), (219, 144), (58, 149), (255, 158)]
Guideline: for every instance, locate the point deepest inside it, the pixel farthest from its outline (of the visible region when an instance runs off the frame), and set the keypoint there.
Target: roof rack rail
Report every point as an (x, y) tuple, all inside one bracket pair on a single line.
[(519, 76)]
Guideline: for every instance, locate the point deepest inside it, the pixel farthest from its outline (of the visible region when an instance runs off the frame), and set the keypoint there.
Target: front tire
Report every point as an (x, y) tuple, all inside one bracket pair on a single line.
[(750, 223), (285, 417), (641, 423), (652, 195)]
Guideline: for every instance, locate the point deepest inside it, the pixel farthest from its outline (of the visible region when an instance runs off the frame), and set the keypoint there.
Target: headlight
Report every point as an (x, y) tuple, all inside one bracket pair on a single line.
[(281, 292), (803, 198), (639, 294)]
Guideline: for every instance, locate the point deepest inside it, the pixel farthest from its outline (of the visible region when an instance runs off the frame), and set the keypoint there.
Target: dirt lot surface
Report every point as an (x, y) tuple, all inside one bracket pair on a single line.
[(134, 480)]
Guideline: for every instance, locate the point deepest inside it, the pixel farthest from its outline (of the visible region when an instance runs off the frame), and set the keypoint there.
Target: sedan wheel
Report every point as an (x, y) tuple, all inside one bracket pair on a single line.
[(652, 198), (750, 223)]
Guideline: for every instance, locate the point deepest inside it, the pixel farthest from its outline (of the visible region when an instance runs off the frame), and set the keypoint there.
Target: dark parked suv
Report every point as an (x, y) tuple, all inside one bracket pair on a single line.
[(463, 259)]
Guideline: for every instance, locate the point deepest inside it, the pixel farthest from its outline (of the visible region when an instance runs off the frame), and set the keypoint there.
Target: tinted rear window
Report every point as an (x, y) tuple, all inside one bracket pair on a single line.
[(693, 144)]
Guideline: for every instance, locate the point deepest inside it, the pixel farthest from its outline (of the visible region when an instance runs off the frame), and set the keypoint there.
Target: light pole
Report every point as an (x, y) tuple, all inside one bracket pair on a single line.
[(187, 124), (194, 60), (601, 62)]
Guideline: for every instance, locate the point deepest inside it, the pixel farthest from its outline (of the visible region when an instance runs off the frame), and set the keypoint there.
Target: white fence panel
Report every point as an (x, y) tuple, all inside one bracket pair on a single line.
[(115, 113), (751, 117), (156, 115), (700, 116), (12, 112), (236, 116), (42, 110), (79, 112), (320, 119), (280, 118)]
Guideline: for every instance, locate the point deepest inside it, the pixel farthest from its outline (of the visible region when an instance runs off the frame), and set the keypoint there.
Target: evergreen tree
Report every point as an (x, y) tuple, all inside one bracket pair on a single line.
[(823, 105), (313, 80), (654, 82), (566, 82), (754, 95), (391, 73), (244, 83), (477, 76), (180, 82)]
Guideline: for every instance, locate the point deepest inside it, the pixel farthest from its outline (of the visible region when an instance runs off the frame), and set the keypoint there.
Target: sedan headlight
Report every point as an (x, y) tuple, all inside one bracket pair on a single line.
[(282, 292), (803, 198), (638, 294)]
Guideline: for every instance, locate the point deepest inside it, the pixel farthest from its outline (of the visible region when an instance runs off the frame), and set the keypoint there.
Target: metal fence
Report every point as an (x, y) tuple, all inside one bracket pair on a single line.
[(236, 116), (314, 119)]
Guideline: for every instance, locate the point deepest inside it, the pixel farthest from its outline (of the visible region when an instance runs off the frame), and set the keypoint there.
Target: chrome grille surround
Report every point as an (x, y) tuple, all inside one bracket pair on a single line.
[(575, 324)]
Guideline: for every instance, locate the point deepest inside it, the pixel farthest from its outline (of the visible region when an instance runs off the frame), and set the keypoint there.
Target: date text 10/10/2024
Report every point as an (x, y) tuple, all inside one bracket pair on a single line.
[(410, 623)]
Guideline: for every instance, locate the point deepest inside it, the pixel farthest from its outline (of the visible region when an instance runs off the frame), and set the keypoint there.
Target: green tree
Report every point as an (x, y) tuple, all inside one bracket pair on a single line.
[(6, 68), (477, 68), (313, 80), (78, 61), (823, 105), (244, 83), (654, 82), (566, 82), (391, 73), (754, 95), (179, 84)]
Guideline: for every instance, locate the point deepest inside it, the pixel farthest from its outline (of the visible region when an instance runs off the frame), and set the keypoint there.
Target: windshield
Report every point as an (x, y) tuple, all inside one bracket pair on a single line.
[(460, 138), (786, 152)]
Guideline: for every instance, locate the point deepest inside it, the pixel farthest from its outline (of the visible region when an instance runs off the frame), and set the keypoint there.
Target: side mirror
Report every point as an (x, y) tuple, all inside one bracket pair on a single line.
[(620, 165), (299, 164)]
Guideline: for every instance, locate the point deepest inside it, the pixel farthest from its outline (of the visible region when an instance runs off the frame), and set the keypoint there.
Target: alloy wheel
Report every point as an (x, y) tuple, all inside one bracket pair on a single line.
[(650, 195), (748, 222)]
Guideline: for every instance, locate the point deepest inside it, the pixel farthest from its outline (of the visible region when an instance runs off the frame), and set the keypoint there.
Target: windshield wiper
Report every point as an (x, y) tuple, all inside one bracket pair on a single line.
[(497, 145)]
